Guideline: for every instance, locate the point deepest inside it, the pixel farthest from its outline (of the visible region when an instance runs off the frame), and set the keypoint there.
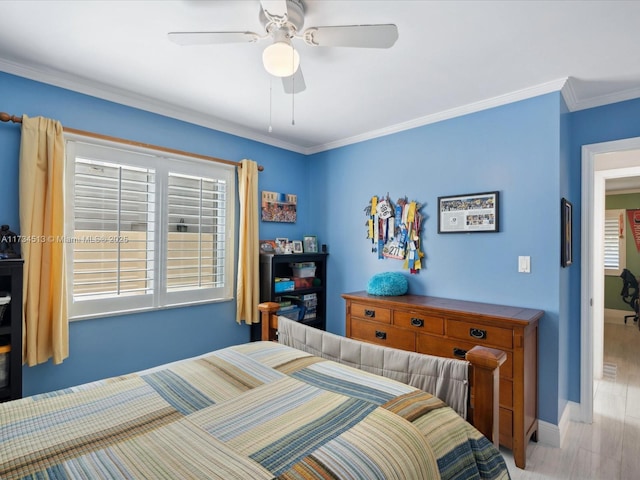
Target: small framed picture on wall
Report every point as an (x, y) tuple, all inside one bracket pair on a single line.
[(279, 207), (566, 236)]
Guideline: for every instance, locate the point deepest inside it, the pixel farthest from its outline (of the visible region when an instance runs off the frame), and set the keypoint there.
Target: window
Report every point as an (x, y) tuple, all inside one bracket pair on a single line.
[(614, 242), (145, 231)]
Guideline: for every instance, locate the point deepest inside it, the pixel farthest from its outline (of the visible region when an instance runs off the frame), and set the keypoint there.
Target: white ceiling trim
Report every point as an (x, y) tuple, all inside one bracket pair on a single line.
[(575, 104), (125, 97), (607, 99), (553, 86)]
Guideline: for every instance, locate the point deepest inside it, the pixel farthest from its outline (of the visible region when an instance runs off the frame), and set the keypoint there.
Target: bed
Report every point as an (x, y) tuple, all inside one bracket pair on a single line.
[(260, 410), (482, 365)]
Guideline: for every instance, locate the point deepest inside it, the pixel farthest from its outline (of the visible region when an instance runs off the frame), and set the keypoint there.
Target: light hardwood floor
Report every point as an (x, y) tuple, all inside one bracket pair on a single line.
[(609, 448)]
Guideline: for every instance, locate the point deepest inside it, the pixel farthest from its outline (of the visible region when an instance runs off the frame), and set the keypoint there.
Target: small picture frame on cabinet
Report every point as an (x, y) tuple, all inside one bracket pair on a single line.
[(267, 246), (297, 246), (310, 244), (282, 245)]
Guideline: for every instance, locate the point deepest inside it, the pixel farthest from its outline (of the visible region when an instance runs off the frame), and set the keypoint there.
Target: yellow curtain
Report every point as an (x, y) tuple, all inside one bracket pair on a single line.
[(45, 331), (248, 288)]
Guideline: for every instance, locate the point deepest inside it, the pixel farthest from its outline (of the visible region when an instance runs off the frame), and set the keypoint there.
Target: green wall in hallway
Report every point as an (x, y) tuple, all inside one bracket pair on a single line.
[(613, 284)]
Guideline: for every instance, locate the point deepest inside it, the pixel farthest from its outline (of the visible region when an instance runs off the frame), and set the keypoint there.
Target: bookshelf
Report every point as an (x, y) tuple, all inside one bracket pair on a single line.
[(11, 329), (307, 292)]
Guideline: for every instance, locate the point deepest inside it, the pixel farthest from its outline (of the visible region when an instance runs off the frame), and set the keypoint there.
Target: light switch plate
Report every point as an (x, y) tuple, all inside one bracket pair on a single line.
[(524, 264)]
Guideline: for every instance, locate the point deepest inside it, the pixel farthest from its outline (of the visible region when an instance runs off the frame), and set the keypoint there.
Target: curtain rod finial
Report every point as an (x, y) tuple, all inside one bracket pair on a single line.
[(5, 117)]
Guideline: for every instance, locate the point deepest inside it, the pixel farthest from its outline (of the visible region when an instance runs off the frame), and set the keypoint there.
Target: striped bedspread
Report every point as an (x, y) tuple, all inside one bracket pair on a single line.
[(256, 411)]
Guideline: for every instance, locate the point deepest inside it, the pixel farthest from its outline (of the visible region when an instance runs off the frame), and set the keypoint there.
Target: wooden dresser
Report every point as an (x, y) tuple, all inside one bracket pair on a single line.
[(448, 328)]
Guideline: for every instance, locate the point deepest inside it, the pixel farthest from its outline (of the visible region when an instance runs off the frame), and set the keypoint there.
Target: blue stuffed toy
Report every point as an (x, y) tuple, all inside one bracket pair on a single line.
[(388, 284)]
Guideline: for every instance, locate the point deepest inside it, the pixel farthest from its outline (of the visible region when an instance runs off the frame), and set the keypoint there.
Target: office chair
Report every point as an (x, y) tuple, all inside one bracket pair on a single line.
[(629, 293)]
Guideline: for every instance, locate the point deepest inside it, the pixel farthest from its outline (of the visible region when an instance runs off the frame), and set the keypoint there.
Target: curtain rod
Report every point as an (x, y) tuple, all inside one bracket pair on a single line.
[(5, 117)]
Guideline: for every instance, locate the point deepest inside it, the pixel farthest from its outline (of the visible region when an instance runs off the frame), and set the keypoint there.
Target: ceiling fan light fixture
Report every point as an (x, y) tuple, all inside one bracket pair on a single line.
[(281, 59)]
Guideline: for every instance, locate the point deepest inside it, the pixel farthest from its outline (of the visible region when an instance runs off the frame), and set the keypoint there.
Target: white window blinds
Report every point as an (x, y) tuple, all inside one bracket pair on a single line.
[(196, 232), (114, 226), (614, 245), (145, 231)]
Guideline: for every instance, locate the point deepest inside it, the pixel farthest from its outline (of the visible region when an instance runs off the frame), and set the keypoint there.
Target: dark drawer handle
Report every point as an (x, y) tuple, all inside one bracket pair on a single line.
[(381, 335), (459, 352), (417, 322), (370, 313), (477, 333)]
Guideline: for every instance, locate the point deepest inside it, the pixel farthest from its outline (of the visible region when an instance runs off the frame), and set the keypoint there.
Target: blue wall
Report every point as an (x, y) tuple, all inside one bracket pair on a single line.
[(531, 152), (569, 291), (514, 149), (115, 345)]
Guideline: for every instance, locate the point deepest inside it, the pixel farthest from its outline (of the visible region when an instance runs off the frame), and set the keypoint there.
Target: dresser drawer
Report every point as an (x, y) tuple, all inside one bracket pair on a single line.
[(376, 314), (444, 347), (386, 335), (419, 322), (480, 334)]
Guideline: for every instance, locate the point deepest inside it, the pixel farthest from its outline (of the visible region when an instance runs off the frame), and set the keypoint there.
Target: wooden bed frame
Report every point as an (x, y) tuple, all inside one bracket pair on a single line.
[(485, 363)]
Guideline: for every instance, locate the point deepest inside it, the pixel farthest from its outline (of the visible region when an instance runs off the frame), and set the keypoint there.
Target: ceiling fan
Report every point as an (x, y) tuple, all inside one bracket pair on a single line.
[(283, 21)]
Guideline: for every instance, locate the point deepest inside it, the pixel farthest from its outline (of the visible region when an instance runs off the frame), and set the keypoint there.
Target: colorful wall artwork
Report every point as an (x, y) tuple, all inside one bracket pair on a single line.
[(279, 207)]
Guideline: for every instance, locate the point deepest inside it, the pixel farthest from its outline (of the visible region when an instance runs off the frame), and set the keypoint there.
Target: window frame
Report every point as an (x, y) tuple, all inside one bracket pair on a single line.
[(163, 164), (618, 216)]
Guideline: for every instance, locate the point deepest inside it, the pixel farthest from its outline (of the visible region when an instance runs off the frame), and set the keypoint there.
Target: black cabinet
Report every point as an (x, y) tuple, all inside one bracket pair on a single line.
[(11, 329), (276, 266)]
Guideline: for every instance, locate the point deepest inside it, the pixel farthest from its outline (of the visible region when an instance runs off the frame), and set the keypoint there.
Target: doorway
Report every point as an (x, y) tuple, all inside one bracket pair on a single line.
[(600, 162)]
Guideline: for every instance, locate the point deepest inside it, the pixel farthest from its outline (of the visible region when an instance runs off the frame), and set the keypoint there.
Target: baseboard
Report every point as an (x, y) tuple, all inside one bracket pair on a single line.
[(555, 435), (548, 433), (571, 411)]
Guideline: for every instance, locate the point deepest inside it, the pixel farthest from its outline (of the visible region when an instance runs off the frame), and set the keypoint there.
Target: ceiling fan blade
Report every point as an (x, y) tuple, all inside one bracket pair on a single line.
[(208, 38), (294, 83), (362, 36), (275, 9)]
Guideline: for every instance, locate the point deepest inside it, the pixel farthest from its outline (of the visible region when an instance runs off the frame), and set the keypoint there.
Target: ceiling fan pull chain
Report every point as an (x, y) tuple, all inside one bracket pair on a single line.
[(293, 109), (270, 103), (293, 94)]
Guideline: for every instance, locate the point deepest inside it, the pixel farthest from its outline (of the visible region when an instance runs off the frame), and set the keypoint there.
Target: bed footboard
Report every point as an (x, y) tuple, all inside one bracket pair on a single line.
[(269, 320), (486, 362), (486, 382)]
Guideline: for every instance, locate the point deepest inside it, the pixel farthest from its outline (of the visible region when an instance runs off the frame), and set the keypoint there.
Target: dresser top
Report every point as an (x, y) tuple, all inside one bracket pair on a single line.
[(448, 305)]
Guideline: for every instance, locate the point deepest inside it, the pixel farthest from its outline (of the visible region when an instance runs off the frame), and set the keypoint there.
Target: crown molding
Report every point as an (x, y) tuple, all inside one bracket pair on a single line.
[(526, 93), (125, 97), (569, 94), (574, 103), (608, 99)]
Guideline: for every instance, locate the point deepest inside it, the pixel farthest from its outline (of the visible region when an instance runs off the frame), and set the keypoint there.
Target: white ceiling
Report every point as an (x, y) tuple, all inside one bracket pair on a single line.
[(451, 58), (623, 185)]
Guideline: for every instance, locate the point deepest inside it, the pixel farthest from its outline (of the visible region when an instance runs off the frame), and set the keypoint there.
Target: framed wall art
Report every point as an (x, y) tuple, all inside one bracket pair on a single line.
[(566, 235), (279, 207), (474, 212)]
